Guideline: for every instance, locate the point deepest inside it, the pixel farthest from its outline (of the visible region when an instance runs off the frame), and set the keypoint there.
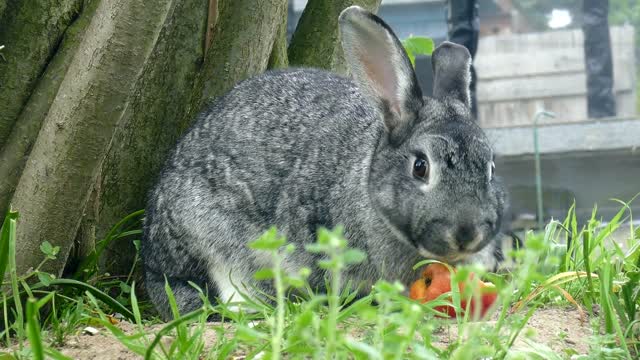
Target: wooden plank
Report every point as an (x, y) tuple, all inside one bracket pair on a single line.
[(626, 104), (550, 62), (538, 42), (518, 65), (567, 109), (518, 113), (543, 86), (520, 74)]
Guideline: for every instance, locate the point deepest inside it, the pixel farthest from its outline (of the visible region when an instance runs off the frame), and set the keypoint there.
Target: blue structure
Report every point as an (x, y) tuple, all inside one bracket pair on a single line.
[(406, 17)]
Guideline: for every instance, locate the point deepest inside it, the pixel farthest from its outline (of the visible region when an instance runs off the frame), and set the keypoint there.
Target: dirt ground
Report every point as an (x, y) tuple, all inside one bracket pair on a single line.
[(559, 329)]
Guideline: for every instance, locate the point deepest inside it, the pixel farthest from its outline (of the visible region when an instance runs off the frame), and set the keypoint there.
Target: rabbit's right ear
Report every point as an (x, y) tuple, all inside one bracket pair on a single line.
[(381, 68), (451, 63)]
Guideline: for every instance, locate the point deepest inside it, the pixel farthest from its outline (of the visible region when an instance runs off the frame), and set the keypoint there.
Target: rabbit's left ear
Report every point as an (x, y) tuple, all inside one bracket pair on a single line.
[(381, 67)]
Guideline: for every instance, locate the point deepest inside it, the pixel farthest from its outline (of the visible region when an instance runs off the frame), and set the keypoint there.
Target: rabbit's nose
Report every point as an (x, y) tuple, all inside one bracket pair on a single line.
[(465, 235)]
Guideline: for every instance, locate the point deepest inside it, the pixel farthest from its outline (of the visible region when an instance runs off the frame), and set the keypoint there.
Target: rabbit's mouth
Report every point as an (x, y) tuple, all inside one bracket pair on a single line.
[(451, 258)]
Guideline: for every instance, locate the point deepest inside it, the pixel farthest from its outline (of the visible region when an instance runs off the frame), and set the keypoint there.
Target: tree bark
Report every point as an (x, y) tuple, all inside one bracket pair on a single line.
[(15, 152), (30, 32), (243, 38), (157, 119), (71, 145), (212, 18), (315, 43), (150, 125), (279, 58), (3, 5)]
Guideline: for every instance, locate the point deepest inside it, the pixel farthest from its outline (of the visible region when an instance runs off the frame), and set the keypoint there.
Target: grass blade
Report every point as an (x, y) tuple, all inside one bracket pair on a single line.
[(587, 266), (134, 305), (170, 326), (113, 303), (11, 262), (4, 242), (89, 263), (55, 354), (33, 330), (5, 317)]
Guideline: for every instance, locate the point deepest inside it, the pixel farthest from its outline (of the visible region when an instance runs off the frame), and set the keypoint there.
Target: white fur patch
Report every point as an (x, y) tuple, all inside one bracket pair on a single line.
[(224, 282)]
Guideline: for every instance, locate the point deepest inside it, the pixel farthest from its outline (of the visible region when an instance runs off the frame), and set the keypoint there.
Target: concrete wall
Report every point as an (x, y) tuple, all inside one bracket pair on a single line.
[(591, 178), (590, 162)]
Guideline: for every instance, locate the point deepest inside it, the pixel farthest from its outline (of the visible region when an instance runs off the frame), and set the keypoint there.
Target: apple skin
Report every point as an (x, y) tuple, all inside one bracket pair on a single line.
[(436, 280)]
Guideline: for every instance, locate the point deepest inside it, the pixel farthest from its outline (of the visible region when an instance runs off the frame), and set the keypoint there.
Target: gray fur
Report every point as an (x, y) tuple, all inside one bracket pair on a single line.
[(305, 148)]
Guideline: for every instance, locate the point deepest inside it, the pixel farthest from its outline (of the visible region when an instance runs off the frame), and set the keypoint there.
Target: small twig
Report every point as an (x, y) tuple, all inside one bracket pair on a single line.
[(212, 17)]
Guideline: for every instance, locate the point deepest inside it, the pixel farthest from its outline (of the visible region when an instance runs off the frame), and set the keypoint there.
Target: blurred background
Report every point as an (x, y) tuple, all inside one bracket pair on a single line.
[(570, 64)]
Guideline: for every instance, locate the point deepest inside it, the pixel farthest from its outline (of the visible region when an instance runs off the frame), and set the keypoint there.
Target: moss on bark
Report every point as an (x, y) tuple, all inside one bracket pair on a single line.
[(67, 156), (279, 58), (150, 125), (14, 154), (31, 32), (315, 43), (242, 41)]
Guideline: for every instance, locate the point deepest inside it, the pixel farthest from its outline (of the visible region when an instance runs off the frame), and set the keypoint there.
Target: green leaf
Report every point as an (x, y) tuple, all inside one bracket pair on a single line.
[(49, 250), (417, 45), (314, 248), (304, 272), (387, 287), (268, 241), (245, 333), (327, 264), (290, 248), (125, 288), (354, 256), (45, 278), (295, 281), (331, 239), (263, 274), (368, 351)]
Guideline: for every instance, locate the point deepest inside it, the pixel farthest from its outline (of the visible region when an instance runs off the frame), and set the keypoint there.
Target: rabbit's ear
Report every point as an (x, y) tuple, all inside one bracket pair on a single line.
[(451, 63), (381, 67)]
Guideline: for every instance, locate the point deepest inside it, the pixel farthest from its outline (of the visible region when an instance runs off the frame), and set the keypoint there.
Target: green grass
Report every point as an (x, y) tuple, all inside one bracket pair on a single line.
[(567, 264)]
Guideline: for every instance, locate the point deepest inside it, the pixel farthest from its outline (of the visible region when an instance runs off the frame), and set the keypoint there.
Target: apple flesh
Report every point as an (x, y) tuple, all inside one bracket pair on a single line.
[(436, 280)]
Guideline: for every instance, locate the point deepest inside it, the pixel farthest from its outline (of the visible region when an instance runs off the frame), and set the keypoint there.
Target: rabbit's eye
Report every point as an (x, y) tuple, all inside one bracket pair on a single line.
[(421, 168), (492, 170)]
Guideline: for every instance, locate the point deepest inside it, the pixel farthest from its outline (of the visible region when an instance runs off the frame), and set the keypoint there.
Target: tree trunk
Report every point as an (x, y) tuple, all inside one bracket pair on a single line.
[(242, 42), (278, 58), (212, 19), (3, 5), (315, 42), (14, 154), (157, 121), (30, 32), (151, 124), (71, 145)]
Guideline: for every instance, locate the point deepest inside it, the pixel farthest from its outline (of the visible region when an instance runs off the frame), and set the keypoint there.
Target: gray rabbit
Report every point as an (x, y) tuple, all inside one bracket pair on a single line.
[(409, 177)]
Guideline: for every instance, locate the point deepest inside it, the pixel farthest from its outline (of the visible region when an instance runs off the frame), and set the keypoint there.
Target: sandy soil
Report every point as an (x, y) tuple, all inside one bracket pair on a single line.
[(559, 329)]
